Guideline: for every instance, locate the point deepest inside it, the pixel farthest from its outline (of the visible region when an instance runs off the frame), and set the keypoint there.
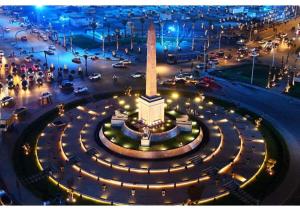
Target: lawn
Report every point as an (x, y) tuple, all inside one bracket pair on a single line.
[(242, 73), (295, 90), (122, 140)]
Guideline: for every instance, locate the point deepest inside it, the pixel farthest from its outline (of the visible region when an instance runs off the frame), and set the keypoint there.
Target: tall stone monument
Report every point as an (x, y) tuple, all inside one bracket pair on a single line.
[(151, 105)]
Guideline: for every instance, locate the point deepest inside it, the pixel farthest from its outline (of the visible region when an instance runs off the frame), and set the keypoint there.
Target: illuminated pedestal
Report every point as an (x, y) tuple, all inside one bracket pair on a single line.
[(151, 110)]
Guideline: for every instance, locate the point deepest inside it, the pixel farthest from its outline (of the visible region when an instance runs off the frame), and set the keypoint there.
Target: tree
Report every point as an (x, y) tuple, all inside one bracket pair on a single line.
[(94, 26), (124, 22), (142, 20)]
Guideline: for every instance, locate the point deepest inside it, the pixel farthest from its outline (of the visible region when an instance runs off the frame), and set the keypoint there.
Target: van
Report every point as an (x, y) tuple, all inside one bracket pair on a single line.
[(6, 122)]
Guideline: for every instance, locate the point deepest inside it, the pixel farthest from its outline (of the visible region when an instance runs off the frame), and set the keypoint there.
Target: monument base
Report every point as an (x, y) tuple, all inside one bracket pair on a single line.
[(151, 110)]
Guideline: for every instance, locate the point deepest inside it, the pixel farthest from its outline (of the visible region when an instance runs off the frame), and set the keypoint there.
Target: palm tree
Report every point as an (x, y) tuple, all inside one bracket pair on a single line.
[(94, 26), (131, 25), (124, 22), (142, 20)]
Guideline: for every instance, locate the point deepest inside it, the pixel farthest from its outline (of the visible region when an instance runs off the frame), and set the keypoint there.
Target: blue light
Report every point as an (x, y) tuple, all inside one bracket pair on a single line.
[(39, 7), (171, 29)]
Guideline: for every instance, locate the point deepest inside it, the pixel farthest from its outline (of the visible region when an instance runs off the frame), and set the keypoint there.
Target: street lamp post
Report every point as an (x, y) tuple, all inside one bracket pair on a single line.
[(193, 39), (103, 43), (85, 60), (220, 40), (162, 33), (253, 63), (273, 58), (46, 61)]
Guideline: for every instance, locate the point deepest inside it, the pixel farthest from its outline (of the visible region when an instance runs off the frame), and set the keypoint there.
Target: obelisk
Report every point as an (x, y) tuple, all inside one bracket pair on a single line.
[(151, 106), (151, 83)]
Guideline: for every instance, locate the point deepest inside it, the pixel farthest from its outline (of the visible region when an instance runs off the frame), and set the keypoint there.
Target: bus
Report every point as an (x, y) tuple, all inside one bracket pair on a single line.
[(175, 58)]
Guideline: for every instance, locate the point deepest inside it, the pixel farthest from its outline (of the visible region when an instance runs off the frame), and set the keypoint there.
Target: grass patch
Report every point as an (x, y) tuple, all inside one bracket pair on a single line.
[(242, 73), (122, 140)]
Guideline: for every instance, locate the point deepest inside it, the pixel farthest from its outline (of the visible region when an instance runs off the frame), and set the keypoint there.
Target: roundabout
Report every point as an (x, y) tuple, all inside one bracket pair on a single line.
[(148, 148), (231, 153)]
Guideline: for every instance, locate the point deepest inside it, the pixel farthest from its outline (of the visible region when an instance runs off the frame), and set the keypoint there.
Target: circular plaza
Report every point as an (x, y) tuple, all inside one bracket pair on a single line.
[(84, 156)]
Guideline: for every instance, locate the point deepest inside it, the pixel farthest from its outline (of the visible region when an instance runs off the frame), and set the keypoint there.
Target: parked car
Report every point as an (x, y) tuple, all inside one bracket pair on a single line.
[(50, 52), (20, 112), (45, 95), (10, 85), (80, 90), (7, 100), (95, 76), (67, 86)]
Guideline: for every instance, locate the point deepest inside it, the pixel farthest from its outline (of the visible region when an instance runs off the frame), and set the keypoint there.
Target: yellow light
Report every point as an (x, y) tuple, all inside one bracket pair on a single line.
[(175, 95), (121, 102), (197, 99)]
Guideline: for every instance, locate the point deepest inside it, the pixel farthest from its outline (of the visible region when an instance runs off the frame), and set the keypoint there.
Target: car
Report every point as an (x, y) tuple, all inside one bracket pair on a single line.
[(27, 59), (80, 90), (76, 60), (52, 47), (20, 112), (35, 31), (126, 61), (10, 85), (262, 42), (67, 86), (24, 84), (200, 66), (283, 35), (7, 100), (45, 95), (1, 53), (23, 76), (7, 29), (40, 74), (119, 65), (49, 52), (138, 75), (23, 68), (183, 76), (9, 78), (39, 81), (95, 76), (24, 38), (94, 58), (168, 82)]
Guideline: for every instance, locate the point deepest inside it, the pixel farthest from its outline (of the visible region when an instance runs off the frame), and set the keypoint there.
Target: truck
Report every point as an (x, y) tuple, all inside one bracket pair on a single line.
[(175, 58), (6, 121)]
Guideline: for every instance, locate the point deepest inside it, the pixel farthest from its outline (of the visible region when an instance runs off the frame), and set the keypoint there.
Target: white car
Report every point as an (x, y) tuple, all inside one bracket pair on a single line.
[(45, 95), (7, 100), (1, 53), (95, 76), (80, 90), (119, 65), (52, 47), (138, 75), (126, 61), (7, 29)]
